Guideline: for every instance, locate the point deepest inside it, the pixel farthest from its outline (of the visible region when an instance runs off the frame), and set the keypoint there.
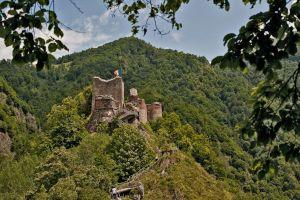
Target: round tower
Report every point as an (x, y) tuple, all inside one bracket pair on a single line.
[(133, 94), (156, 110), (142, 111)]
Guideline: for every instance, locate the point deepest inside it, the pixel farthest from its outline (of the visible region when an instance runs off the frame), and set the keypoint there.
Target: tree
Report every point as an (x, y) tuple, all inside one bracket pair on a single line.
[(62, 176), (129, 150), (64, 189), (170, 130), (20, 21), (268, 38), (65, 126), (261, 45)]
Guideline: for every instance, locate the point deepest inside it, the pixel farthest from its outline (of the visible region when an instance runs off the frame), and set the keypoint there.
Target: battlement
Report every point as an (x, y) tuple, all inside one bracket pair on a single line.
[(108, 103)]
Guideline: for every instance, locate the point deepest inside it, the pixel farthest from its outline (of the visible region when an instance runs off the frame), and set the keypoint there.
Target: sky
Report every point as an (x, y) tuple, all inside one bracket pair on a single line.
[(204, 26)]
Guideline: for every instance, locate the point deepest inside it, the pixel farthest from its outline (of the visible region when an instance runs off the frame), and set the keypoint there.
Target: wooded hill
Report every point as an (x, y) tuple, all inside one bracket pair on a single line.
[(203, 107)]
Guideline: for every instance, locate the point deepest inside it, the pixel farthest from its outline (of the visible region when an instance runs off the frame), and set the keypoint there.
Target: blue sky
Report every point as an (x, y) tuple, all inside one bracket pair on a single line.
[(204, 26)]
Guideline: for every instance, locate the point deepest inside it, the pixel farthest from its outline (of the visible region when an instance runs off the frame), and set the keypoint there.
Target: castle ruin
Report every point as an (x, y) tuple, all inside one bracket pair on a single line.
[(108, 103)]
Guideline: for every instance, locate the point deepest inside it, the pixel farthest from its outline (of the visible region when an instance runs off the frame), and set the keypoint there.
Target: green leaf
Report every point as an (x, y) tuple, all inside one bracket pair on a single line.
[(246, 70), (43, 2), (8, 40), (217, 60), (58, 32), (4, 4), (12, 12), (52, 47), (52, 16), (3, 32), (61, 45), (228, 37)]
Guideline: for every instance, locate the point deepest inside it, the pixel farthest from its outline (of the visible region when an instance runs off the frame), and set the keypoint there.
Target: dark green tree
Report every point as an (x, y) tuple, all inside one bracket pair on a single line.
[(62, 176), (261, 45), (65, 126), (129, 150)]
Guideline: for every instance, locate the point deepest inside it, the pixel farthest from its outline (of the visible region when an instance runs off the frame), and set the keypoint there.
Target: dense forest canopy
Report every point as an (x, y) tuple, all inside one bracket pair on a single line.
[(145, 68), (203, 108), (267, 39), (209, 125)]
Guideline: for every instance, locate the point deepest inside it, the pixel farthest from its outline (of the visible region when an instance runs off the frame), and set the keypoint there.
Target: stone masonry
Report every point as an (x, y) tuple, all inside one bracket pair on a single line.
[(108, 103), (113, 87)]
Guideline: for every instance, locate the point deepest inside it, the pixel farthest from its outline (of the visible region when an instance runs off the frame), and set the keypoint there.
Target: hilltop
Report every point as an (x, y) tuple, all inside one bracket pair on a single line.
[(145, 68)]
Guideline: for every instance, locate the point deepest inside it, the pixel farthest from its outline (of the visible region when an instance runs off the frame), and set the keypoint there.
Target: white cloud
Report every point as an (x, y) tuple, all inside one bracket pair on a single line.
[(74, 39), (104, 17), (5, 52), (102, 37), (95, 32), (176, 36), (90, 23), (88, 32), (77, 41)]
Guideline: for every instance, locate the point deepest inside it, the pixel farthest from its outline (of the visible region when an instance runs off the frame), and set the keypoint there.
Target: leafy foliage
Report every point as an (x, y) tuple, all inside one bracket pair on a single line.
[(18, 22), (16, 121), (170, 130), (268, 38), (209, 103), (16, 176), (62, 176), (130, 151), (179, 169), (72, 74), (65, 126)]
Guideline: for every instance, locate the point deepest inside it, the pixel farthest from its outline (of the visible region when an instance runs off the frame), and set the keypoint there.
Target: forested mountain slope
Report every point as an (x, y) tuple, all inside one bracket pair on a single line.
[(175, 76), (16, 121), (211, 101), (30, 159), (19, 135)]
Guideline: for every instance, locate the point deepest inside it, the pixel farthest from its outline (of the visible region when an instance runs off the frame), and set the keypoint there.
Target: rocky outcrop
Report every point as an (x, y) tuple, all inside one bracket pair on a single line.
[(15, 118), (25, 118), (31, 122), (5, 144)]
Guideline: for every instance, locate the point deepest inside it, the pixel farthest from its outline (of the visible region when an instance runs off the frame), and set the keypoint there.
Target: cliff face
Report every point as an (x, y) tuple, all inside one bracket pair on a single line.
[(15, 118)]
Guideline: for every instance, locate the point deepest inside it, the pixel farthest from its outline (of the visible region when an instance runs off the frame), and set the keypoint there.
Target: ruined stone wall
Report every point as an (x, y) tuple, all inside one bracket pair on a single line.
[(104, 111), (142, 111), (108, 102), (113, 87), (154, 111)]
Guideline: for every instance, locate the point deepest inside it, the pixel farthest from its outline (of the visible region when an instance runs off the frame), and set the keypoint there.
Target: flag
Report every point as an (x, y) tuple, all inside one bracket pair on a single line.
[(118, 72)]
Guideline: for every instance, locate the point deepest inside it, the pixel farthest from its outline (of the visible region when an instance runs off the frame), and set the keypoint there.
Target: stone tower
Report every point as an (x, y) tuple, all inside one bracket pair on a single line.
[(154, 111), (142, 111), (113, 87), (108, 103)]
